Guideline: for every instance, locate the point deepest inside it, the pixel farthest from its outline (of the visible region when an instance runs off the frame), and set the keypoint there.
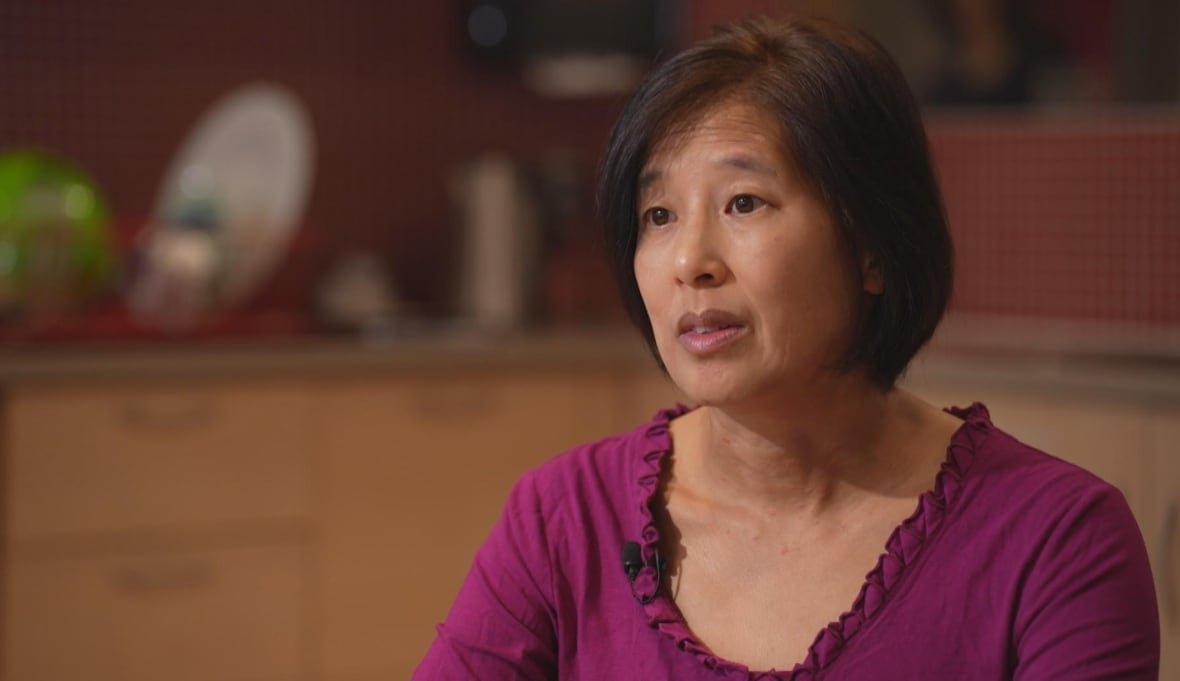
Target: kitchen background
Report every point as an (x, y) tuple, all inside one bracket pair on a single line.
[(230, 442)]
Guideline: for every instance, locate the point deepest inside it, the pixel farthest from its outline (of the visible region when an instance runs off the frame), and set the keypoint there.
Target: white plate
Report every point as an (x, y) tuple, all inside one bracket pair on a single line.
[(251, 157)]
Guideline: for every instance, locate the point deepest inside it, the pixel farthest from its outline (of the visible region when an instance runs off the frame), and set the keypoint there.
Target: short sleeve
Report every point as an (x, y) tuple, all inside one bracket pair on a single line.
[(501, 626), (1088, 608)]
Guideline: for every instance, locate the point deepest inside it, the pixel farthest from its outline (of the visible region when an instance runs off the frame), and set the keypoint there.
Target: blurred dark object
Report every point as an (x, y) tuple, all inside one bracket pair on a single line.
[(989, 47), (511, 31), (569, 48), (1016, 52), (1149, 52), (56, 255), (576, 286)]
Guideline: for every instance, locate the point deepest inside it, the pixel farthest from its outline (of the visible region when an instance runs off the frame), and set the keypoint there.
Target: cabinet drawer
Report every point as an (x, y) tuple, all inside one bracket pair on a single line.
[(119, 459), (208, 615)]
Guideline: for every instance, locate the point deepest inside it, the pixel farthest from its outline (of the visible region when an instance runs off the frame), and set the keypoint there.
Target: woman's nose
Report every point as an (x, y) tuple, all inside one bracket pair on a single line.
[(698, 258)]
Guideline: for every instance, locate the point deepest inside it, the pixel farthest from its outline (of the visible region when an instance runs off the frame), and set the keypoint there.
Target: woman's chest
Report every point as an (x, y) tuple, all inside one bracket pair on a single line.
[(759, 596), (924, 632), (764, 610)]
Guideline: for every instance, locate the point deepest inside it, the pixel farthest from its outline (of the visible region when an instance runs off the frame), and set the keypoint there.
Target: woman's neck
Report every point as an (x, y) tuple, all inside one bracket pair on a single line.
[(801, 457)]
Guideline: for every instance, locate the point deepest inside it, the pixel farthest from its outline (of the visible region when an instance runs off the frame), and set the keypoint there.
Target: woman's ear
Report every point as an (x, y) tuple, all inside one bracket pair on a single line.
[(870, 274)]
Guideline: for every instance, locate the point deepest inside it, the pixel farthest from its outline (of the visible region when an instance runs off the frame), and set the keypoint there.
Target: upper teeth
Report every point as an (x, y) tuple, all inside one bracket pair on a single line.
[(705, 329)]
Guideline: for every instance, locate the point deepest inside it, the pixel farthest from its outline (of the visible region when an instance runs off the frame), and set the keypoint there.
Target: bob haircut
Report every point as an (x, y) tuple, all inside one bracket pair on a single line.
[(851, 125)]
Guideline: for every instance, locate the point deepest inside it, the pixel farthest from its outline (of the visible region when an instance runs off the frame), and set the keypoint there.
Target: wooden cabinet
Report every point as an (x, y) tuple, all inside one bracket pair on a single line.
[(315, 525), (183, 615), (413, 473), (115, 459), (155, 531), (264, 530)]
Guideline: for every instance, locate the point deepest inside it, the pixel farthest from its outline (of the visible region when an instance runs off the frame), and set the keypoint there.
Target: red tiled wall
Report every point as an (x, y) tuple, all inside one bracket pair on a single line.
[(1073, 217), (1052, 218), (396, 104)]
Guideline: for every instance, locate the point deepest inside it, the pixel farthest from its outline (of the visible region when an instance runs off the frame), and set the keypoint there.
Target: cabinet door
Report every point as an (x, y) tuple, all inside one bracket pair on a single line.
[(112, 459), (220, 615), (413, 473), (1163, 533)]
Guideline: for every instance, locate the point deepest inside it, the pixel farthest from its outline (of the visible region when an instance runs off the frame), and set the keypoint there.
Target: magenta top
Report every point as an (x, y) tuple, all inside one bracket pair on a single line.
[(1015, 565)]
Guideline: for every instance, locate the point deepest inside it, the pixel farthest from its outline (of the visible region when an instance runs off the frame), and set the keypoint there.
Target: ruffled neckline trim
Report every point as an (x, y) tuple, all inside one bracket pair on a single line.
[(901, 549)]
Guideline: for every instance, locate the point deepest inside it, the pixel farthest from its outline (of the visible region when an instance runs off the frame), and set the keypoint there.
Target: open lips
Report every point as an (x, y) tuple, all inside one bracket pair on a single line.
[(709, 331)]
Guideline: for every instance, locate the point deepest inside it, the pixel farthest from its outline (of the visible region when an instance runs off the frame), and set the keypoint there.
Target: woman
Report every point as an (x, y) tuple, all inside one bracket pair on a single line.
[(780, 240)]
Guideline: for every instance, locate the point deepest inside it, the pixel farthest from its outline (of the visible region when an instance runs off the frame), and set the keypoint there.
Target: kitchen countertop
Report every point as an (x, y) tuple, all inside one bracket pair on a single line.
[(590, 349), (1155, 380)]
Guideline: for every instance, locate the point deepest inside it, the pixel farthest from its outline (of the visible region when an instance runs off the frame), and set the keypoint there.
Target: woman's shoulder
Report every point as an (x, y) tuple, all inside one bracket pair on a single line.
[(609, 470), (1017, 484), (1004, 459), (1069, 551)]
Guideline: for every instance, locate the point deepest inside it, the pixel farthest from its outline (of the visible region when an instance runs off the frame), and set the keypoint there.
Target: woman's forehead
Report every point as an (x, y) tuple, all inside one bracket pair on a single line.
[(747, 130)]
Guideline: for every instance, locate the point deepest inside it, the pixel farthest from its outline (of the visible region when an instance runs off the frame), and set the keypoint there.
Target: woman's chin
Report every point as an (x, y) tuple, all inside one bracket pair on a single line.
[(712, 389)]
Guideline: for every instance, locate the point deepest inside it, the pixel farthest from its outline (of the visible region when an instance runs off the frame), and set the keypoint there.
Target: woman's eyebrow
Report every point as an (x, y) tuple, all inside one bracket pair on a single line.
[(743, 162), (739, 161), (647, 177)]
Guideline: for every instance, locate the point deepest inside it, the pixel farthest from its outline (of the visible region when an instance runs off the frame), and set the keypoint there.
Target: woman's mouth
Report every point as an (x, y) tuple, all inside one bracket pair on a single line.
[(709, 331)]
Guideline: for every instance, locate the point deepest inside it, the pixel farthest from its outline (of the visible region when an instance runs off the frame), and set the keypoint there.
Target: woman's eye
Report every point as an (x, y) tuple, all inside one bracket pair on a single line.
[(657, 216), (746, 203)]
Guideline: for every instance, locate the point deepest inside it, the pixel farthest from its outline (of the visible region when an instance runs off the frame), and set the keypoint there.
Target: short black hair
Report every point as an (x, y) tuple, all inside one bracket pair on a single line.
[(850, 123)]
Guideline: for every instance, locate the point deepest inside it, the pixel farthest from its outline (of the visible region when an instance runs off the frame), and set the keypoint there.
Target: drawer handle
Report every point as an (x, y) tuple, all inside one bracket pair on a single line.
[(1167, 546), (169, 414), (162, 575)]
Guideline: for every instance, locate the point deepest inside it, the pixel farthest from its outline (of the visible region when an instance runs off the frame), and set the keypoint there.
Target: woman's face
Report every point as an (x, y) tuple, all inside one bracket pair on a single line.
[(748, 288)]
